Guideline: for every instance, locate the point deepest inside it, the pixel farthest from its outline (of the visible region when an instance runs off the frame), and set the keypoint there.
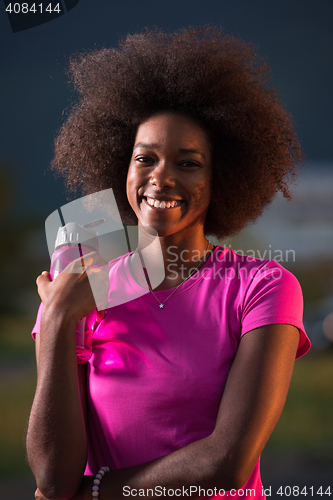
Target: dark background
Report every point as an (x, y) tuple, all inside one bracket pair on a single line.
[(297, 38)]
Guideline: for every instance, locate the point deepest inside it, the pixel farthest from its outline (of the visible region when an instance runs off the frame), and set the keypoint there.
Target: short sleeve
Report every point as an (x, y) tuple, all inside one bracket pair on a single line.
[(36, 328), (274, 296)]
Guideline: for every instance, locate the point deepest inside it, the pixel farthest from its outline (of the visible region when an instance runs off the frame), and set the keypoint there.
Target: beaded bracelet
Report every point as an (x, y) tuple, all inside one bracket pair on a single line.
[(97, 482)]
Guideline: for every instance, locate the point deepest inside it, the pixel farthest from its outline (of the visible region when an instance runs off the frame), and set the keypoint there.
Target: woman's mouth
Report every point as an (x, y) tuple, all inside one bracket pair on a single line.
[(162, 204)]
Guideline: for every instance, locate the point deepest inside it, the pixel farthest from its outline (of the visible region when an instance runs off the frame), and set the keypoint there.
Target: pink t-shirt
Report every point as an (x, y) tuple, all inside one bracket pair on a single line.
[(156, 376)]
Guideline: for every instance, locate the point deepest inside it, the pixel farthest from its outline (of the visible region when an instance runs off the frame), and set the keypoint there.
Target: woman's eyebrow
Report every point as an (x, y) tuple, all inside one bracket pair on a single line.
[(195, 151), (156, 146), (153, 145)]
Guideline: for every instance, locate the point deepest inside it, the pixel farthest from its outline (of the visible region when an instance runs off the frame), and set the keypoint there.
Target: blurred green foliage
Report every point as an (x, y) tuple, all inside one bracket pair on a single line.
[(17, 387), (16, 398), (316, 279), (23, 256), (306, 420), (23, 250)]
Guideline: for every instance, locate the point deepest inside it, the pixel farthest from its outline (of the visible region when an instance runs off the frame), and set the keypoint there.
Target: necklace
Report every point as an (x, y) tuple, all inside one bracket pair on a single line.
[(161, 304)]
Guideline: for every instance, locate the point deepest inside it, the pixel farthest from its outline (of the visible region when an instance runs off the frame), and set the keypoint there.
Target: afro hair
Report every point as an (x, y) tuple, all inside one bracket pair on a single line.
[(218, 80)]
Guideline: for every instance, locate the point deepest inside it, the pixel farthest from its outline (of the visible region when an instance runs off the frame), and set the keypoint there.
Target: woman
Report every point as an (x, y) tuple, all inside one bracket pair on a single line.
[(186, 382)]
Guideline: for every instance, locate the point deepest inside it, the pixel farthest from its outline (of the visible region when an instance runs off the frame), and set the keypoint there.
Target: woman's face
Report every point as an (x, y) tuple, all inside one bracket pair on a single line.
[(169, 176)]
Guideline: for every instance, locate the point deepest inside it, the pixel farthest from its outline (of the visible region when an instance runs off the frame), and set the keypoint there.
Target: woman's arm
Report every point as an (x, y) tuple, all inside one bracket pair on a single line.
[(56, 438), (252, 402)]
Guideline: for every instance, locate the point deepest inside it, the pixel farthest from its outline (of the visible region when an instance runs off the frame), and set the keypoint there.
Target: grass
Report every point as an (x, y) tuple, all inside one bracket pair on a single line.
[(306, 421), (17, 387), (16, 398), (15, 340)]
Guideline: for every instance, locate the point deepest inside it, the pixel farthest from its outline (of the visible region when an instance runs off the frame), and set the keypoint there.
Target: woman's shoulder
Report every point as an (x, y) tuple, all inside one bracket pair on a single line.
[(231, 259), (121, 258), (248, 273)]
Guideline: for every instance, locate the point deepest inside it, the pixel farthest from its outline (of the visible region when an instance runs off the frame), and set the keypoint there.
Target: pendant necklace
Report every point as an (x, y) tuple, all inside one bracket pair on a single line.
[(161, 304)]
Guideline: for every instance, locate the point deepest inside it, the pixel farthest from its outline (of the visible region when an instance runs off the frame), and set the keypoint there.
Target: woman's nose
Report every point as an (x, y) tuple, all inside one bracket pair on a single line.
[(163, 175)]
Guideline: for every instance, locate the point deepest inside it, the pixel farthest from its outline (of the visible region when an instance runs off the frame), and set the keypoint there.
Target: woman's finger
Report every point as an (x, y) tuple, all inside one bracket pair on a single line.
[(94, 259), (44, 277), (81, 264), (43, 274), (39, 495), (99, 272), (99, 282), (42, 281)]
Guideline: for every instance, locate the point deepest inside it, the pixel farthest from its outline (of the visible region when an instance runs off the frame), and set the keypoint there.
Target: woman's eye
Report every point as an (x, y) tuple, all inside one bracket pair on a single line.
[(144, 159), (189, 164)]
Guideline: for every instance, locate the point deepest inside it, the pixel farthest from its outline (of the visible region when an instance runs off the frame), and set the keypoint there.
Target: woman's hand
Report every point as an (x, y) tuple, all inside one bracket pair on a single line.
[(81, 287)]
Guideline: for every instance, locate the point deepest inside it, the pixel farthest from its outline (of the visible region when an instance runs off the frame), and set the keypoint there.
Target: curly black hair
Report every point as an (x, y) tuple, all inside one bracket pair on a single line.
[(218, 80)]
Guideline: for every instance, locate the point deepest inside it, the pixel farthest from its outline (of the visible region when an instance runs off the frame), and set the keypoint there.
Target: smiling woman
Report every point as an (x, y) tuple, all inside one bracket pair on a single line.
[(169, 182), (171, 162), (186, 382)]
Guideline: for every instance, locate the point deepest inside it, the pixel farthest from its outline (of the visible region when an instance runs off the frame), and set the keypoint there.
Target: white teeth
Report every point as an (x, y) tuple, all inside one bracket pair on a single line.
[(162, 204)]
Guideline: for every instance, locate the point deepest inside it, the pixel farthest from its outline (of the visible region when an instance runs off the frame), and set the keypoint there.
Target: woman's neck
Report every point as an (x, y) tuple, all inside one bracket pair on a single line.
[(181, 257)]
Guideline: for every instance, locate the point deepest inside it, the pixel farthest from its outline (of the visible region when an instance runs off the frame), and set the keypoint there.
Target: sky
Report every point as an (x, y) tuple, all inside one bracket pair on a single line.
[(296, 36)]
